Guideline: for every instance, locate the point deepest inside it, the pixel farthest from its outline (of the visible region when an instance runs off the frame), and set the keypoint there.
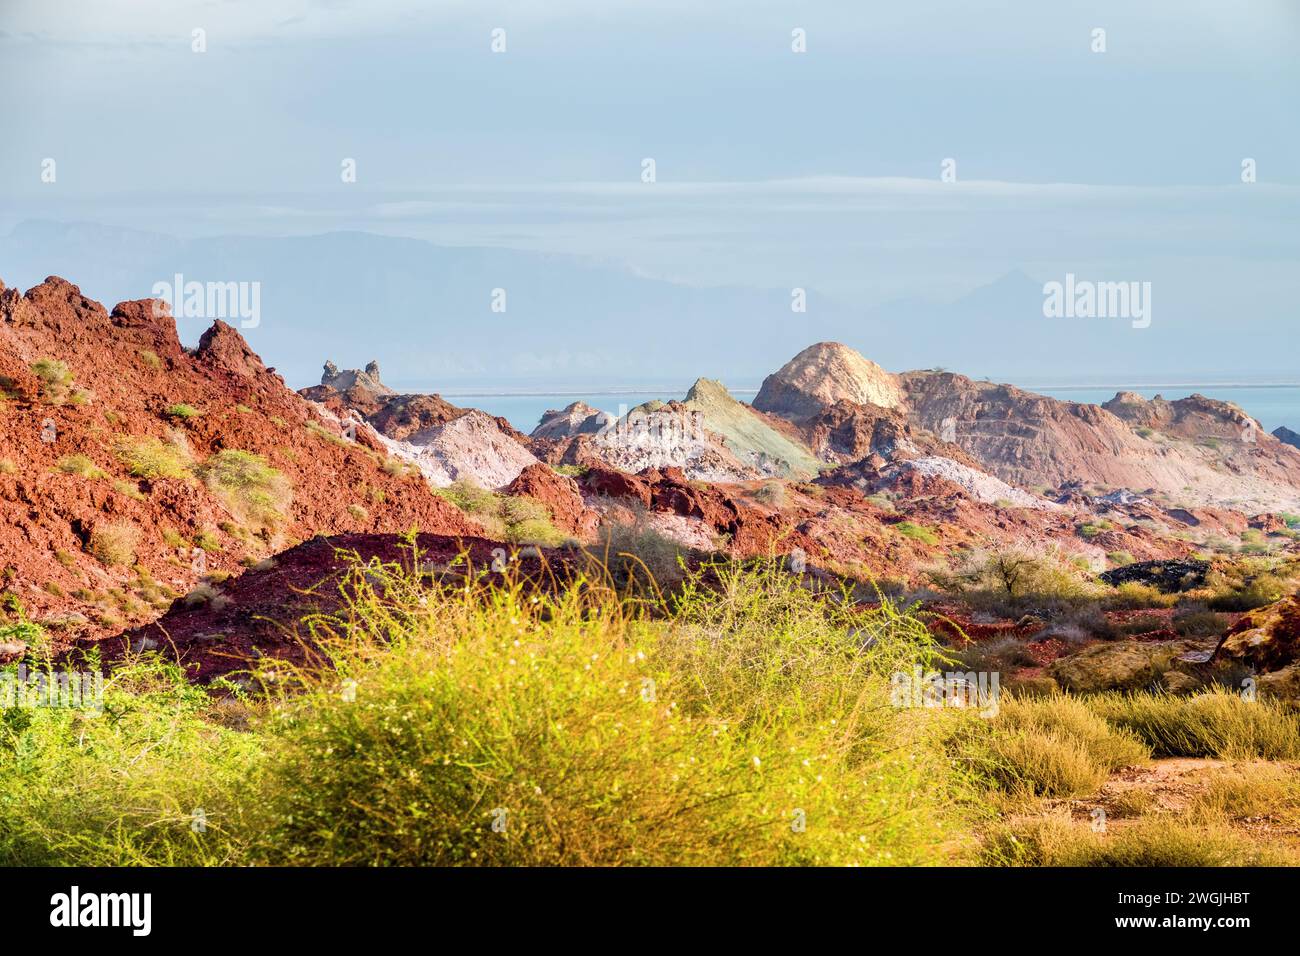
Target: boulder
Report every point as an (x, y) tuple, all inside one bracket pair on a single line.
[(1122, 665), (1266, 639), (561, 497)]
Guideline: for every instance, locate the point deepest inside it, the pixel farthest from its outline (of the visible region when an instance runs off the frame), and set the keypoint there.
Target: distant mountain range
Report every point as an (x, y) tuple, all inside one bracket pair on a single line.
[(426, 312)]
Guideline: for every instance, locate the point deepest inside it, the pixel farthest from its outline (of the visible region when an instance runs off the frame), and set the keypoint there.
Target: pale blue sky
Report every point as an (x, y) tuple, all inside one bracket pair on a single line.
[(775, 169)]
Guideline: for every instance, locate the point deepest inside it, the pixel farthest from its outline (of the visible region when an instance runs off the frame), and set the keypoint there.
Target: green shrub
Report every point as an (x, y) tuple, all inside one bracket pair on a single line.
[(55, 377), (255, 493), (115, 543), (1055, 747), (81, 466), (182, 411), (150, 358), (917, 532), (546, 719), (151, 458), (1218, 723), (516, 519), (753, 729), (80, 789), (1148, 842)]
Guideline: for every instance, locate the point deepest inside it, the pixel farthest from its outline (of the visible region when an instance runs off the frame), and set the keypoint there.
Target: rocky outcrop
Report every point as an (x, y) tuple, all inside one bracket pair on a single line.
[(1286, 436), (754, 438), (822, 375), (1267, 638), (1172, 577), (578, 418), (1197, 451), (560, 495), (977, 484), (1195, 417), (366, 379), (1033, 440), (1129, 665), (671, 435), (359, 393), (472, 447), (87, 389)]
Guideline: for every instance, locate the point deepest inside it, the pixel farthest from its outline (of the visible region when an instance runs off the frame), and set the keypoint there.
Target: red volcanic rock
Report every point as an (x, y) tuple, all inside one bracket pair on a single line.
[(257, 614), (560, 495), (397, 416), (63, 478), (609, 483), (1269, 523)]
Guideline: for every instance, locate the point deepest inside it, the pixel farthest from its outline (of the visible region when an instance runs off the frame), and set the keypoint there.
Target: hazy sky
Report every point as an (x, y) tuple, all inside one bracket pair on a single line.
[(774, 168)]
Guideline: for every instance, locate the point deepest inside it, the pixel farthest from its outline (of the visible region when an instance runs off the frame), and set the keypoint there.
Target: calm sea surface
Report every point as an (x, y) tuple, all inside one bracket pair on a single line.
[(1271, 405)]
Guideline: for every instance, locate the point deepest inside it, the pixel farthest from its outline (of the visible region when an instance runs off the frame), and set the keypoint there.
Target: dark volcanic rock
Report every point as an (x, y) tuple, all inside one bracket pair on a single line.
[(1287, 436), (1169, 576)]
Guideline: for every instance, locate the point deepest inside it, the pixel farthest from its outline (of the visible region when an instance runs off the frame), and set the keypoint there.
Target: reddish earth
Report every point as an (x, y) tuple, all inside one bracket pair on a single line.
[(257, 615), (127, 374), (127, 368), (395, 415), (560, 495)]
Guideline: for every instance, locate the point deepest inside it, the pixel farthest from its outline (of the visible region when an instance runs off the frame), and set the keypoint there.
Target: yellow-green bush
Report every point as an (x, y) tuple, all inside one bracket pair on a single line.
[(149, 457), (255, 493), (1218, 723), (751, 729), (1054, 747)]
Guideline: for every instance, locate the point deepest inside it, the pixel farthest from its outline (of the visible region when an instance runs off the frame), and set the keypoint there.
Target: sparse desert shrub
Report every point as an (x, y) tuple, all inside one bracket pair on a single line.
[(1055, 747), (1134, 595), (182, 411), (1012, 582), (639, 556), (115, 543), (528, 521), (206, 540), (570, 471), (1148, 842), (1249, 790), (151, 458), (255, 493), (1196, 620), (81, 466), (772, 494), (470, 498), (323, 433), (1091, 529), (917, 532), (1247, 584), (150, 358), (7, 467), (1217, 723), (997, 654), (516, 519), (55, 378), (358, 513), (130, 489), (399, 468)]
